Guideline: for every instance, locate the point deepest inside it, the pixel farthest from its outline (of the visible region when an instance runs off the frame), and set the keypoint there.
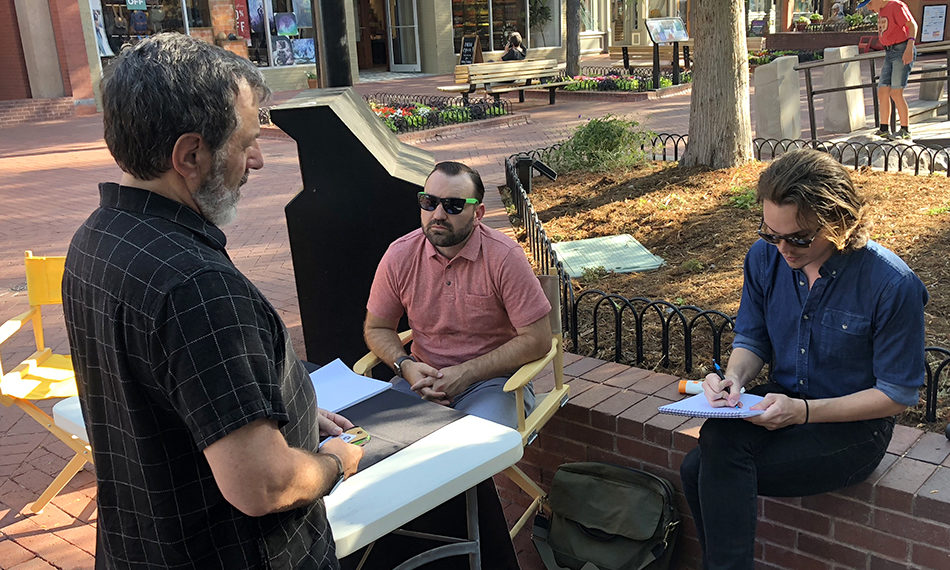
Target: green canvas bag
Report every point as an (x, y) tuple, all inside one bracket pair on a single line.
[(607, 517)]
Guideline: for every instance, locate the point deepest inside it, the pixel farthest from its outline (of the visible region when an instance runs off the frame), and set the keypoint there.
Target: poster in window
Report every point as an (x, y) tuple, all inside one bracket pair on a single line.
[(933, 23), (302, 8), (303, 50), (242, 26), (286, 23), (283, 51), (255, 9), (105, 50)]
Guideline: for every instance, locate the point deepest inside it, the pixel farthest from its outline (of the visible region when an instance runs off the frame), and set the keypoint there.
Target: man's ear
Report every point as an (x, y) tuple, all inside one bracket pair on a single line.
[(479, 210), (190, 158)]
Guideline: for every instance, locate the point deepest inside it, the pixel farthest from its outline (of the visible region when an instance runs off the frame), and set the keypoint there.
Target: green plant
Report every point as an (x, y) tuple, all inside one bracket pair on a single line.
[(801, 20), (692, 266), (938, 211), (816, 17), (602, 144), (540, 14), (311, 75), (743, 197), (594, 274)]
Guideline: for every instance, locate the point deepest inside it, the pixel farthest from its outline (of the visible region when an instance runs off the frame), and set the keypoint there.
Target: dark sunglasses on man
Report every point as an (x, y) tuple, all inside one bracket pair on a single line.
[(793, 241), (453, 206)]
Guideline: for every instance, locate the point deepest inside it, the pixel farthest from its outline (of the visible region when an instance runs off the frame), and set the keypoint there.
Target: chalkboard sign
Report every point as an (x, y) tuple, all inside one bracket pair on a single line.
[(757, 29), (471, 50)]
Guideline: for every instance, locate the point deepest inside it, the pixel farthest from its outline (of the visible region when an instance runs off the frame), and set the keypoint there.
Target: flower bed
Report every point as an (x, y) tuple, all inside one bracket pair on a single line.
[(621, 82), (403, 116)]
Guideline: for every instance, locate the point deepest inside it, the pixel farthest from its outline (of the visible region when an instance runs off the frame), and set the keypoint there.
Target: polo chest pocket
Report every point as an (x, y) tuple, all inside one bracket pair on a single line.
[(844, 333)]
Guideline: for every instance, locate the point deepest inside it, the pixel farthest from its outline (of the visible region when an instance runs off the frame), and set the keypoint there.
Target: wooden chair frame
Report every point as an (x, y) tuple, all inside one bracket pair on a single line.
[(43, 375)]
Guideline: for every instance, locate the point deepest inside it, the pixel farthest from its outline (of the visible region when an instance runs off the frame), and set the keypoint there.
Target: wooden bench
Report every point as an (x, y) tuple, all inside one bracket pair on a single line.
[(499, 77)]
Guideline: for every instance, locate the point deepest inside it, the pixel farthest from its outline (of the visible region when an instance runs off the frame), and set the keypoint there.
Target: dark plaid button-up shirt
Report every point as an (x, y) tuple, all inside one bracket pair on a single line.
[(174, 349)]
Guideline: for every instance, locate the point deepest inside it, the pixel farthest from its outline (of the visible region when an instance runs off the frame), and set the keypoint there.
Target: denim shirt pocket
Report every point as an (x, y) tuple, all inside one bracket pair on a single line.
[(844, 333)]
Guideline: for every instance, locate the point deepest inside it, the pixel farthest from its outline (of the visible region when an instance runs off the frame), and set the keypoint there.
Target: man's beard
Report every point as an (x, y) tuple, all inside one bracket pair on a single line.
[(451, 238), (217, 202)]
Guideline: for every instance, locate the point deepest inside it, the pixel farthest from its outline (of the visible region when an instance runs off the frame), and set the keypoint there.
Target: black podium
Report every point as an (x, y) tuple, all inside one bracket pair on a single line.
[(359, 194)]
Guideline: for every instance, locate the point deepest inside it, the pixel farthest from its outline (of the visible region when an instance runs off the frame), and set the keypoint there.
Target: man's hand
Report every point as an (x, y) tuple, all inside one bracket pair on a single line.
[(332, 424), (422, 378), (780, 411), (348, 453), (452, 381), (721, 392), (908, 54)]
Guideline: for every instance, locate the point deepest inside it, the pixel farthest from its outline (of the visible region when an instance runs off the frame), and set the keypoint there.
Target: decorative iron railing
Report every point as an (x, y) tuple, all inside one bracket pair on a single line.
[(623, 317)]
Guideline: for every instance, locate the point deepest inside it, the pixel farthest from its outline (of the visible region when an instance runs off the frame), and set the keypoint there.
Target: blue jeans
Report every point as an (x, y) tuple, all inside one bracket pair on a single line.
[(737, 461), (485, 399), (895, 73)]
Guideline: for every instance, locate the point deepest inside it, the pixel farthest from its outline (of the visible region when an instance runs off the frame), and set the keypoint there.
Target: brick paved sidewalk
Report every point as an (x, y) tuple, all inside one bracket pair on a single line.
[(48, 178)]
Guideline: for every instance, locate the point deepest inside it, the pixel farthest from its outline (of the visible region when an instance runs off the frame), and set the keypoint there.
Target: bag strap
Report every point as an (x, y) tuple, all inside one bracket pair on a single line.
[(539, 535)]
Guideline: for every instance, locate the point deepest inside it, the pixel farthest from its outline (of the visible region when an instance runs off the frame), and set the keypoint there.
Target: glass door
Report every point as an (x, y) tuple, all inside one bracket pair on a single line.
[(403, 35)]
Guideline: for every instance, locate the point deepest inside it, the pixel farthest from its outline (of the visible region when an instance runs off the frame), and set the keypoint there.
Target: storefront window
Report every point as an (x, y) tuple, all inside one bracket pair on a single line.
[(117, 22), (292, 33), (492, 21), (544, 18), (589, 16), (658, 9)]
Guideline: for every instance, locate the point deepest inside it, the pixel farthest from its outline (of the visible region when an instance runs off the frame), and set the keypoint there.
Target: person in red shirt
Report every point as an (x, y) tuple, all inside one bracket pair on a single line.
[(897, 31)]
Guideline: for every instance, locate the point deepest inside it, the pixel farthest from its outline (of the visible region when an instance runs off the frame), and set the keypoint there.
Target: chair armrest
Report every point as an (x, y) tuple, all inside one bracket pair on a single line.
[(13, 325), (364, 366), (528, 371)]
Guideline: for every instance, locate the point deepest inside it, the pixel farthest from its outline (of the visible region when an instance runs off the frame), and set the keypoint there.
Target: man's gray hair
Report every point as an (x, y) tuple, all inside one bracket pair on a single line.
[(165, 86)]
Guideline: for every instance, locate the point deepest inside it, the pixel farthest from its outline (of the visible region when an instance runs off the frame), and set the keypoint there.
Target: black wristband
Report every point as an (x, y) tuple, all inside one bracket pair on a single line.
[(340, 474), (806, 411)]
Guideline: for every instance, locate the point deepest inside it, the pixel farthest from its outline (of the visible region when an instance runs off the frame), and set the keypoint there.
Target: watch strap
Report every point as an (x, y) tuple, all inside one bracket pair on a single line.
[(398, 364)]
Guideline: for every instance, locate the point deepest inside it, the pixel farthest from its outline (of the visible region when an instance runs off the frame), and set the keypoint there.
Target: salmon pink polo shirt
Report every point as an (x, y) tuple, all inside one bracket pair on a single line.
[(458, 308)]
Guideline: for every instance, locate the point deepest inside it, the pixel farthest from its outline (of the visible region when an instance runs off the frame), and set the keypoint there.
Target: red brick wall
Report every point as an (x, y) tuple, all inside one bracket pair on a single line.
[(16, 112), (898, 518), (16, 83)]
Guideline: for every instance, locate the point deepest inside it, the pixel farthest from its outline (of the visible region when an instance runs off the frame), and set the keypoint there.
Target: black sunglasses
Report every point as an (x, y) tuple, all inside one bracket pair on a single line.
[(790, 240), (429, 203)]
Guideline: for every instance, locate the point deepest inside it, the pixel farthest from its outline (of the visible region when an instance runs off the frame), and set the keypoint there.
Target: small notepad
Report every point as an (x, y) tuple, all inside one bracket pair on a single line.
[(698, 407)]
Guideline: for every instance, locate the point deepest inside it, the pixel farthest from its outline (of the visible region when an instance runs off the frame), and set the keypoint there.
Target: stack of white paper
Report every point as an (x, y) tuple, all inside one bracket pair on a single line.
[(338, 387)]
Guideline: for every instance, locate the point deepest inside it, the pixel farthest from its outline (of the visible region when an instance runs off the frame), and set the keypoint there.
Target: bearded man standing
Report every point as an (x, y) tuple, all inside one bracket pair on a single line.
[(203, 422)]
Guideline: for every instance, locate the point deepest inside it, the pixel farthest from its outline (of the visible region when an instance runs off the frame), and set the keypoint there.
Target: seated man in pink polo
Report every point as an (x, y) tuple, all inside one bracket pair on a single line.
[(476, 309)]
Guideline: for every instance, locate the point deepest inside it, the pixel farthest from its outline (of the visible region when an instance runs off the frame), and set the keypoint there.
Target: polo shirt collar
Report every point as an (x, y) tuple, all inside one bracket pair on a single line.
[(131, 199), (469, 251)]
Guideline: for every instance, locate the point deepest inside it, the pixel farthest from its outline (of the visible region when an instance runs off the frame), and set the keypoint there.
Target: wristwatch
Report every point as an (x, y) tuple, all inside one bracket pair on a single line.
[(397, 366), (340, 475)]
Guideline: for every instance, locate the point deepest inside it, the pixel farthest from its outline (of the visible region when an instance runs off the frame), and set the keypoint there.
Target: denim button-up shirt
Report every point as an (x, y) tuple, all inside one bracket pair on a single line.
[(861, 325)]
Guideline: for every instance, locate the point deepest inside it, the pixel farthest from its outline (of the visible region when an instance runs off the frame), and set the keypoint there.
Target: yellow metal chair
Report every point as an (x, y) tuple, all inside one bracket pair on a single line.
[(43, 375), (545, 404)]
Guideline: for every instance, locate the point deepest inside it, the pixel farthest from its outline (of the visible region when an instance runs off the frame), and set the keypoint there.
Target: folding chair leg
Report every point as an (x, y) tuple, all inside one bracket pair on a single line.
[(522, 480), (73, 467), (516, 528)]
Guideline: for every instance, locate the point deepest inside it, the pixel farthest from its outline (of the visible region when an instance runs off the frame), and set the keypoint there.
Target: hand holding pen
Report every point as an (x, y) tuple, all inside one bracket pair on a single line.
[(719, 391)]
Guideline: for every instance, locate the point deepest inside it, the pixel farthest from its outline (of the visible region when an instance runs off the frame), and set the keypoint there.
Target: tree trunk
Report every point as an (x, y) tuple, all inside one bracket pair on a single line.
[(720, 131), (573, 67)]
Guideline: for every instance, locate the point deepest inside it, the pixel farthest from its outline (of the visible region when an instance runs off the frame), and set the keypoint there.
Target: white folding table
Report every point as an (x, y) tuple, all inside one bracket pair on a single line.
[(418, 478)]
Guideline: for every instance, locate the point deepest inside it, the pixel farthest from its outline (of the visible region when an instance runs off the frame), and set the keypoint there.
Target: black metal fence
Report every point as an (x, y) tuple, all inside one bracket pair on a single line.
[(404, 113), (618, 327), (643, 75)]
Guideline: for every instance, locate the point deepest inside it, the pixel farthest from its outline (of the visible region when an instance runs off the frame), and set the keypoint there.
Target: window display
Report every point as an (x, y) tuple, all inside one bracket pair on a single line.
[(494, 21), (119, 25), (290, 23)]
